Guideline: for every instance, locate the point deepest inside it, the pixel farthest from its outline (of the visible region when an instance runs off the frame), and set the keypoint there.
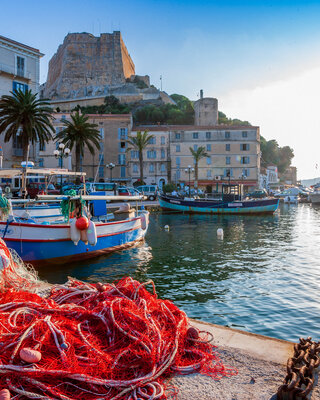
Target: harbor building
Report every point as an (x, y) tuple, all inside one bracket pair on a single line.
[(233, 154), (156, 158), (114, 129), (19, 69)]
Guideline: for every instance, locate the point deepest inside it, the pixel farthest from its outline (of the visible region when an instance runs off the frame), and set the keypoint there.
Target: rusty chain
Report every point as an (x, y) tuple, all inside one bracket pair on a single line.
[(300, 370)]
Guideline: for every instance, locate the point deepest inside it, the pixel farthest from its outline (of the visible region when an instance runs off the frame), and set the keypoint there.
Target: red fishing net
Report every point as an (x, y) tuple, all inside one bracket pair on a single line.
[(111, 341)]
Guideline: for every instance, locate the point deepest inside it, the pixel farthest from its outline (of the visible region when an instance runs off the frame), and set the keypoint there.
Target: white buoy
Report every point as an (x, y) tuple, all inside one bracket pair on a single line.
[(220, 233), (167, 227)]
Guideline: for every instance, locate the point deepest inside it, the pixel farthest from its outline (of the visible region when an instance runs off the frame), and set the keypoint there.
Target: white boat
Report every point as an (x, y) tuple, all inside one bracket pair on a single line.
[(315, 197)]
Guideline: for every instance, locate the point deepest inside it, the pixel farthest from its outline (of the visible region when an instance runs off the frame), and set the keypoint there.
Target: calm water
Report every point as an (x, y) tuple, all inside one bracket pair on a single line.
[(263, 277)]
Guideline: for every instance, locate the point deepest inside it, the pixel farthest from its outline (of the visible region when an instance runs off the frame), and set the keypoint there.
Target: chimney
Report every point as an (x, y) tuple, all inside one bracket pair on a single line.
[(201, 93)]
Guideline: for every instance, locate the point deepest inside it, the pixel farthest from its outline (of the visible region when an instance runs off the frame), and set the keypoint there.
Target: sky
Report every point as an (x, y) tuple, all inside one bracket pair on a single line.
[(260, 59)]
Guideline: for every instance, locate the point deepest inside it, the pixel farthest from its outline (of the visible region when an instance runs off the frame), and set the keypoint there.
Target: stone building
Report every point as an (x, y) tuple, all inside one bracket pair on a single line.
[(233, 154), (205, 111), (114, 130), (19, 69)]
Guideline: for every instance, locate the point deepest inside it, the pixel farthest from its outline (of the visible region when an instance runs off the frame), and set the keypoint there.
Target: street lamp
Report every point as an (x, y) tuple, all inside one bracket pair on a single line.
[(110, 166), (189, 170), (60, 154)]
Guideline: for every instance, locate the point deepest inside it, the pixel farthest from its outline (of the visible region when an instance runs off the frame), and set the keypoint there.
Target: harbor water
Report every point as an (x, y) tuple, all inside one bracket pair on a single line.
[(263, 276)]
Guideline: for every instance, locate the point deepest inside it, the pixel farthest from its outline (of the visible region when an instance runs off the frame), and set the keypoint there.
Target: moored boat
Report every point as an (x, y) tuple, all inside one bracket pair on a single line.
[(230, 202), (315, 197)]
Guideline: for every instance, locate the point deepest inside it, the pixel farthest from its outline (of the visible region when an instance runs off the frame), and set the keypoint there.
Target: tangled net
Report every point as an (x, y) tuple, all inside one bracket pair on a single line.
[(96, 341)]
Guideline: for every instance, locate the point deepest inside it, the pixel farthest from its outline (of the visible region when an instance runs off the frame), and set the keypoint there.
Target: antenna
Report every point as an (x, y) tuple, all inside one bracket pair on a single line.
[(161, 83)]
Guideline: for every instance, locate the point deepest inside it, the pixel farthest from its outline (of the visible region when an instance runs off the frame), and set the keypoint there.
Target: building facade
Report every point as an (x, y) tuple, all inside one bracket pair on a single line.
[(114, 129), (233, 155), (19, 69)]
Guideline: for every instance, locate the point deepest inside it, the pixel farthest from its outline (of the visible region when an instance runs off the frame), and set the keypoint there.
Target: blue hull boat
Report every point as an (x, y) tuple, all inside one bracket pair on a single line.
[(259, 206)]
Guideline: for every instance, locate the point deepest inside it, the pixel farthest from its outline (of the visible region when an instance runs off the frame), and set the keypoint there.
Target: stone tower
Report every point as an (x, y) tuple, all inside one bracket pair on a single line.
[(85, 66), (206, 111)]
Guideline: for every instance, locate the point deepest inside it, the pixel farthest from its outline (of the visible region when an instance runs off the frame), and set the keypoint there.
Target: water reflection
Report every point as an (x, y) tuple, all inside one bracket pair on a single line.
[(264, 276)]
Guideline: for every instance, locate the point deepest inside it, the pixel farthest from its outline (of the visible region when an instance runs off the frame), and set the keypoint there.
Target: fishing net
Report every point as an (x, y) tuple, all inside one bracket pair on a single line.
[(94, 341)]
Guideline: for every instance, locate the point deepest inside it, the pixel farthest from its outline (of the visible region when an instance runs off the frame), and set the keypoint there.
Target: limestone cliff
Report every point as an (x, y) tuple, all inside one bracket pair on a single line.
[(85, 65)]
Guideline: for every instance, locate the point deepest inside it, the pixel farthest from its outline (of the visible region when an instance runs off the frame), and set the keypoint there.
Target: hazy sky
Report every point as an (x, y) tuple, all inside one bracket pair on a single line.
[(261, 59)]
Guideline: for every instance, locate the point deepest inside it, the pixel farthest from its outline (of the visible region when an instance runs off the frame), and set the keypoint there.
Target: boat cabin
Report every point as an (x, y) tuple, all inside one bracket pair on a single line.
[(232, 192)]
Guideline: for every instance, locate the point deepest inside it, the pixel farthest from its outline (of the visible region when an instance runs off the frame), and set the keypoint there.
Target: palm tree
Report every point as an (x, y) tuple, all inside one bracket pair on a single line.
[(79, 133), (197, 156), (23, 115), (140, 142)]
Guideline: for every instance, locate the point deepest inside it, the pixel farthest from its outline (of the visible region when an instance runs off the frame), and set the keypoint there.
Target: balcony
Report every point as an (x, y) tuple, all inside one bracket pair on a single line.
[(12, 72)]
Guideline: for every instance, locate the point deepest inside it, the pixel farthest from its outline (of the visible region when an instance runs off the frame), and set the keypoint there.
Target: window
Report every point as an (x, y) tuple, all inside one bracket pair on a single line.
[(151, 167), (151, 154), (19, 86), (42, 146), (178, 174), (209, 173), (246, 172), (122, 172), (163, 140), (152, 140), (63, 117), (122, 159), (195, 135), (227, 135), (20, 66), (245, 146), (102, 133), (208, 147), (208, 135), (208, 160), (178, 148), (135, 168), (122, 133), (163, 153), (101, 171), (178, 136), (163, 168), (244, 134), (134, 154), (41, 163), (228, 147), (245, 160), (228, 160), (58, 129), (228, 172), (195, 147), (101, 158), (122, 146), (178, 161)]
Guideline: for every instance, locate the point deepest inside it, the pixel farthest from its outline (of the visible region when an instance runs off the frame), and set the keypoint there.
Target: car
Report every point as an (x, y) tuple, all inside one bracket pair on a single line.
[(128, 191), (293, 191), (150, 191), (34, 188), (108, 187), (258, 194)]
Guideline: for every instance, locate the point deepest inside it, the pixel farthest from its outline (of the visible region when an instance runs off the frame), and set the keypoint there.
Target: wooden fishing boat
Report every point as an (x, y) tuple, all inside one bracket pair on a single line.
[(231, 201)]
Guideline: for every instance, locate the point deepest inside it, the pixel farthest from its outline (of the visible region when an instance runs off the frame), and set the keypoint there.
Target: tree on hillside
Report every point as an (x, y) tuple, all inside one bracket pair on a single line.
[(273, 154), (79, 133), (111, 105), (26, 118), (139, 143), (197, 156)]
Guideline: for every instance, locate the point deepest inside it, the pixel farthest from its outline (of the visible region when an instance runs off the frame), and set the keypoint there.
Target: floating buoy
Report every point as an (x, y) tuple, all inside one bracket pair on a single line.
[(5, 394), (220, 233), (92, 234), (74, 232), (29, 355), (101, 287), (82, 223), (84, 236), (192, 333), (167, 227)]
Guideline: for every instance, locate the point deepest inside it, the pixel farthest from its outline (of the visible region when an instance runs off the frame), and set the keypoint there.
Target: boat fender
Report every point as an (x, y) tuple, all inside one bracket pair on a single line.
[(167, 227), (84, 237), (92, 233), (220, 233), (4, 259), (143, 222), (5, 394), (74, 232)]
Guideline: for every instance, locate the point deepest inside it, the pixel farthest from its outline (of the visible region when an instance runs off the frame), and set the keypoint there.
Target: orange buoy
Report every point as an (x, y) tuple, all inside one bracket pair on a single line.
[(82, 223), (29, 355), (5, 394)]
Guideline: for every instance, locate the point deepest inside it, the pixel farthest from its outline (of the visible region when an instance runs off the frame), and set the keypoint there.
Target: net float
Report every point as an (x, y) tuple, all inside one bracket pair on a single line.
[(192, 333), (5, 394), (29, 355)]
